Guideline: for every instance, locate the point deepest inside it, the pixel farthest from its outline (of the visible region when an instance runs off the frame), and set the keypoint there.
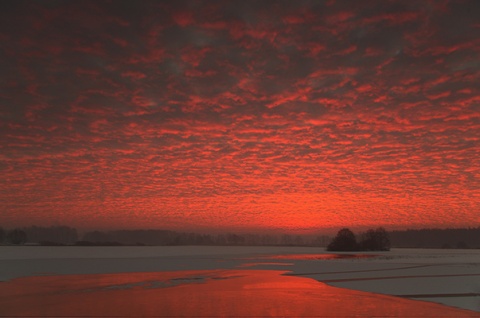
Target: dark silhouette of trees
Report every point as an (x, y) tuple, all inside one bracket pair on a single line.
[(344, 241), (96, 236), (436, 238), (2, 235), (372, 240), (53, 235), (462, 245), (375, 240), (166, 237), (234, 239), (17, 237)]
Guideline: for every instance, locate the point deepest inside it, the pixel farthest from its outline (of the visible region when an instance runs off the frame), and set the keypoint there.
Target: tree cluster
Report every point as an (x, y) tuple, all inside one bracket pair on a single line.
[(437, 238), (15, 236), (372, 240)]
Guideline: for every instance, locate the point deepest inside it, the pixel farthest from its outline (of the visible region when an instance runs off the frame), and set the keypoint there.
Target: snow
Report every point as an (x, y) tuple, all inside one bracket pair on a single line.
[(450, 277), (210, 293), (61, 252)]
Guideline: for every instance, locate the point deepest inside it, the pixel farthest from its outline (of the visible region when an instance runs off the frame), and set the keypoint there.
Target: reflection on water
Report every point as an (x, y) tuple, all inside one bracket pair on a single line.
[(201, 293), (265, 264), (316, 256)]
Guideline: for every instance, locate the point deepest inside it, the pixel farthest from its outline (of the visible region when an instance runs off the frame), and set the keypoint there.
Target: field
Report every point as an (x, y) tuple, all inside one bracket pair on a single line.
[(230, 281)]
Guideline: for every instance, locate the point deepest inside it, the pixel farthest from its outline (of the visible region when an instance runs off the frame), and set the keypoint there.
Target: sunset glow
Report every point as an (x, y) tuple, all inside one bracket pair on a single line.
[(293, 116), (219, 293)]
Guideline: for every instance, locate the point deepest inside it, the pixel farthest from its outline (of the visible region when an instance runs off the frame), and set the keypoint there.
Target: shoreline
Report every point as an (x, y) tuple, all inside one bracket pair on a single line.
[(202, 293), (427, 275)]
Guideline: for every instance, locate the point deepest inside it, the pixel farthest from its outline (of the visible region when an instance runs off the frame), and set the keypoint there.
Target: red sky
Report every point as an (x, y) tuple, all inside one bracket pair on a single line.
[(240, 115)]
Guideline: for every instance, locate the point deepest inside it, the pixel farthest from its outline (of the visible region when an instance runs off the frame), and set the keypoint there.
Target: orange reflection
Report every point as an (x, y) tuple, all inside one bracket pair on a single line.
[(201, 293), (265, 264), (314, 256)]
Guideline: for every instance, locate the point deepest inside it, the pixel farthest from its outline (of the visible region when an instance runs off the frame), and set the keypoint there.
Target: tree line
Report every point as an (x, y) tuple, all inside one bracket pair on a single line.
[(437, 238), (65, 235), (15, 236), (379, 239), (371, 240)]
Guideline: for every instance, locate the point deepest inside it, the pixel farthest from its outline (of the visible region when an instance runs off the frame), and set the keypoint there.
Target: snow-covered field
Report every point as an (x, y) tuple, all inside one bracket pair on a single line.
[(450, 277)]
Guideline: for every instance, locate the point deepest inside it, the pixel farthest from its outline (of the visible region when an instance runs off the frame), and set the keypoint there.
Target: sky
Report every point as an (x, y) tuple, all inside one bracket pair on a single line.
[(293, 116)]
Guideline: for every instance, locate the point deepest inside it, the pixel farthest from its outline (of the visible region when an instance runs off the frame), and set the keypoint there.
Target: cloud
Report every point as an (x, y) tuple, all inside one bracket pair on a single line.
[(261, 115)]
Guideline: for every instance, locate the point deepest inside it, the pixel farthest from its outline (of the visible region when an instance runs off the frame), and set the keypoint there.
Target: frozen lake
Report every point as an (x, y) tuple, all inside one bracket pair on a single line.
[(268, 281)]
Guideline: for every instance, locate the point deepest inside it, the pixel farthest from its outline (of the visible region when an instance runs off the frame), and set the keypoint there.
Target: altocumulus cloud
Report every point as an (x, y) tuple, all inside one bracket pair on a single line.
[(268, 114)]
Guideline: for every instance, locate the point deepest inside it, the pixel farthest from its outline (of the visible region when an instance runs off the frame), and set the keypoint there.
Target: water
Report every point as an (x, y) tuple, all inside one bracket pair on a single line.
[(207, 282), (220, 293)]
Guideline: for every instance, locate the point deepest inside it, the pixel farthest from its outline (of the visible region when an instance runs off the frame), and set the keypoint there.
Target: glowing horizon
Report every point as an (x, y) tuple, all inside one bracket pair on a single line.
[(276, 116)]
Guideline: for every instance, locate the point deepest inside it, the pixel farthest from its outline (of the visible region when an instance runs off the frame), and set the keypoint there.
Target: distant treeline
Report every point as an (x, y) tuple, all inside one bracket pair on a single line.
[(437, 238), (165, 237), (65, 235)]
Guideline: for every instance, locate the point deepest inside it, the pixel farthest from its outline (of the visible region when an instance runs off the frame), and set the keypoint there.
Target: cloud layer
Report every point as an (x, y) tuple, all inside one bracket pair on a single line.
[(240, 115)]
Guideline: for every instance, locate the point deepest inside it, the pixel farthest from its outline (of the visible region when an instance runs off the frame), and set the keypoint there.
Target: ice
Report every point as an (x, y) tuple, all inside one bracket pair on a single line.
[(450, 277)]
